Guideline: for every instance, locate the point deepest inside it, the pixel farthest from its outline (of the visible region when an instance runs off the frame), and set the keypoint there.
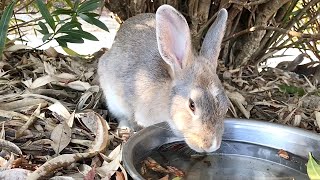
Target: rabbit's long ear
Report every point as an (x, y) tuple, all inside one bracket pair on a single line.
[(211, 44), (173, 37)]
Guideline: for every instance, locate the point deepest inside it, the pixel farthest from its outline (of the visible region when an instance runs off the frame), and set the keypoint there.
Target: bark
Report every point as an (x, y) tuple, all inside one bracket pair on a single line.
[(252, 43)]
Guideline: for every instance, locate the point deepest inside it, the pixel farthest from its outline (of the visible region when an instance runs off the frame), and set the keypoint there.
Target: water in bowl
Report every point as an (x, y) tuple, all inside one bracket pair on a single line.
[(234, 160)]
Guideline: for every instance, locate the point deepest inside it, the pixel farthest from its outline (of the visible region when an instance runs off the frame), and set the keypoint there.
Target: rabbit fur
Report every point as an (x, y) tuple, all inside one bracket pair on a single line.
[(151, 74)]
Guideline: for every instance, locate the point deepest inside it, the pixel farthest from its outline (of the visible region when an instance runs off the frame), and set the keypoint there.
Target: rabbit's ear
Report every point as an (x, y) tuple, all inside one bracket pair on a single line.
[(293, 64), (173, 37), (211, 44)]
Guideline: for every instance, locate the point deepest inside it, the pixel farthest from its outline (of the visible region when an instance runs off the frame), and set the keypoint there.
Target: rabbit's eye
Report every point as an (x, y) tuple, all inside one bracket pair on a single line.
[(191, 105)]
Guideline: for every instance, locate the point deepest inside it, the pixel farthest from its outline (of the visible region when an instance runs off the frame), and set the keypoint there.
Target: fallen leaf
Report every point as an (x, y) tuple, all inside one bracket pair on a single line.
[(60, 110), (239, 101), (79, 85), (51, 52), (283, 154), (30, 121), (109, 168), (61, 137), (41, 81), (91, 174), (119, 176), (99, 128), (317, 115)]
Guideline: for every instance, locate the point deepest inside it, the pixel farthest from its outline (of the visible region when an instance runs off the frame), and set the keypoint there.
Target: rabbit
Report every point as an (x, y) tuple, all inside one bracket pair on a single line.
[(309, 69), (151, 75)]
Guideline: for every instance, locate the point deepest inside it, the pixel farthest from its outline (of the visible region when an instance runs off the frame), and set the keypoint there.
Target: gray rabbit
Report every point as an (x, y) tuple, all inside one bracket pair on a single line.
[(151, 74)]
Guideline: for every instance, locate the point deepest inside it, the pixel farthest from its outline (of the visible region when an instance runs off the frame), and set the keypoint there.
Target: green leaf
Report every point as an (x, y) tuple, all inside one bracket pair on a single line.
[(177, 178), (313, 168), (291, 89), (4, 25), (69, 3), (91, 14), (68, 26), (76, 5), (94, 21), (46, 14), (44, 29), (88, 6), (70, 39), (80, 33), (70, 51), (46, 37), (63, 11), (61, 42)]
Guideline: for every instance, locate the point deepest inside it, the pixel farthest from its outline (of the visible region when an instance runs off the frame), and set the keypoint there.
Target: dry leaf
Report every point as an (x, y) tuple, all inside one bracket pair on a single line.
[(17, 47), (79, 85), (61, 137), (49, 68), (283, 154), (239, 101), (100, 129), (119, 176), (11, 147), (25, 104), (60, 110), (108, 169), (51, 52), (65, 178), (91, 174), (3, 162), (3, 132), (124, 172), (41, 81), (66, 77), (31, 120), (317, 114)]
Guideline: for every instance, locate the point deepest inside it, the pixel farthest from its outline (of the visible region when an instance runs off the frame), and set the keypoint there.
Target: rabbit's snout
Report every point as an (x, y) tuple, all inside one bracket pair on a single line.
[(204, 141)]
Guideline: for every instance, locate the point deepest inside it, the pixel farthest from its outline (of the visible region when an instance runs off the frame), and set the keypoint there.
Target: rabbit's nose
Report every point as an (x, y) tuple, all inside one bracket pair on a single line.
[(206, 144)]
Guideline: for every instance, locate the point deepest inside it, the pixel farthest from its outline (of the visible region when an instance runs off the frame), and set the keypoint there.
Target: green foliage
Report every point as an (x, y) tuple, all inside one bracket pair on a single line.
[(313, 168), (46, 14), (4, 25), (68, 30), (291, 89)]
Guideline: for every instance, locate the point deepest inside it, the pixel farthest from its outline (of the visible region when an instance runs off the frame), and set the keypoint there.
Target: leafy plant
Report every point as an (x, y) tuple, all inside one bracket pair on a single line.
[(4, 25), (291, 89), (313, 168), (68, 30)]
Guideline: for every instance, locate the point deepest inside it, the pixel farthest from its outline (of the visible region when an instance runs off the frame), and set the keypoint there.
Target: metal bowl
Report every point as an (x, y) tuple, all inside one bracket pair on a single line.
[(249, 150)]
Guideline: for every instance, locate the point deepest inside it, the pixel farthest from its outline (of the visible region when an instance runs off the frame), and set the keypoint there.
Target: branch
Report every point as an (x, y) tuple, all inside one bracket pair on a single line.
[(247, 5), (281, 30), (25, 5)]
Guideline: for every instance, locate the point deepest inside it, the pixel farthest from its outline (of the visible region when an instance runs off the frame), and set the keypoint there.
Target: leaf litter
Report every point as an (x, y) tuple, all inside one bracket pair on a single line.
[(55, 126), (51, 124)]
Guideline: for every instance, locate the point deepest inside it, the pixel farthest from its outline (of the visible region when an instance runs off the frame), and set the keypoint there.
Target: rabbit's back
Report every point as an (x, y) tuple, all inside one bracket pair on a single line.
[(132, 73)]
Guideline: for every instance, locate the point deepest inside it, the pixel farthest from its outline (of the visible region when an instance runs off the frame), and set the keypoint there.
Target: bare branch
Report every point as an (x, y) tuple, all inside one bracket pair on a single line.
[(281, 30)]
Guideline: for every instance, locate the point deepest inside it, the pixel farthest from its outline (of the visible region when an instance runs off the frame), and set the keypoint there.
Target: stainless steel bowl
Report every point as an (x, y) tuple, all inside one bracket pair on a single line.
[(248, 151)]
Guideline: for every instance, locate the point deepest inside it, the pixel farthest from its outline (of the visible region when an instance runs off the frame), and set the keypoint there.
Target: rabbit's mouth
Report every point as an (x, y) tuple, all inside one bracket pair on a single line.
[(203, 145)]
